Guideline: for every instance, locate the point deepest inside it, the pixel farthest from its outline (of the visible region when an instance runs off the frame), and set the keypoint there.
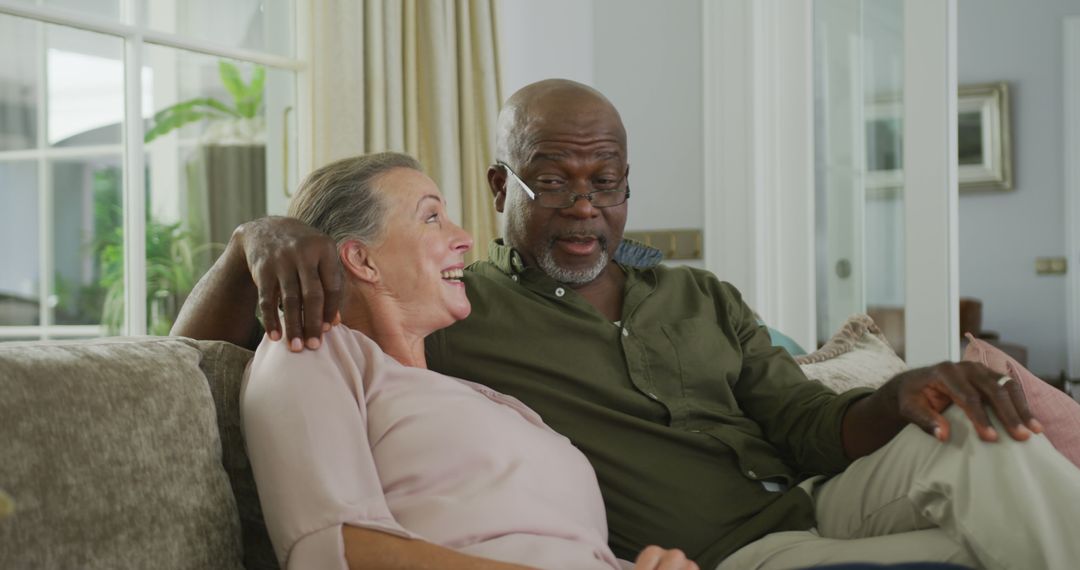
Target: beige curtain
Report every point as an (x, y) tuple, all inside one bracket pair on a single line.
[(419, 76)]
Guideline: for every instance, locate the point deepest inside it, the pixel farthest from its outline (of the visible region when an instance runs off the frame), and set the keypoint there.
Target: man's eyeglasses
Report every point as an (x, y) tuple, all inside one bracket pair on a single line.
[(559, 199)]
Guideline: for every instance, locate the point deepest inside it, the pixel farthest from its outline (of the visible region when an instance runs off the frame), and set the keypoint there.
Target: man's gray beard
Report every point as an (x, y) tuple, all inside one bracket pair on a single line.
[(547, 264), (517, 212)]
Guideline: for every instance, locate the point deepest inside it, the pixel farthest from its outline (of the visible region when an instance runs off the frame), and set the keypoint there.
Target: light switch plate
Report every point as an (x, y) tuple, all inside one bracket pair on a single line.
[(1051, 265)]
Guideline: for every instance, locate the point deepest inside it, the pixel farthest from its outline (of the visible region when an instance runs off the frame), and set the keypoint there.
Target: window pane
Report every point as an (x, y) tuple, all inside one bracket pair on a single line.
[(208, 169), (261, 25), (86, 87), (88, 281), (19, 281), (101, 8), (109, 9), (18, 83)]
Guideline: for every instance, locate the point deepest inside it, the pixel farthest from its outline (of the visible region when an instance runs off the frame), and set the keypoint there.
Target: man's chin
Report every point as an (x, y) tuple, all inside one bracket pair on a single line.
[(574, 271)]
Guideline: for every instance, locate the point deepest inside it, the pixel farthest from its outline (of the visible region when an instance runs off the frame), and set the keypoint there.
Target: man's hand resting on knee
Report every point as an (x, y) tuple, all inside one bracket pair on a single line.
[(919, 396)]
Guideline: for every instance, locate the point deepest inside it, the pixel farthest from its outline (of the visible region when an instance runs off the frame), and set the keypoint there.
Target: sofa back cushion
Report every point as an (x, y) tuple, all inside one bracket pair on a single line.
[(110, 452), (224, 364)]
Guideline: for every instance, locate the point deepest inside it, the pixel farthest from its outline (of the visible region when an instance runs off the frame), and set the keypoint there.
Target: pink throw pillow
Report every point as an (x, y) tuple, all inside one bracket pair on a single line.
[(1058, 413)]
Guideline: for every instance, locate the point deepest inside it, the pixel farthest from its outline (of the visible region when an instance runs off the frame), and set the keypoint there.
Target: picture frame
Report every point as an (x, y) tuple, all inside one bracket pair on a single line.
[(984, 140)]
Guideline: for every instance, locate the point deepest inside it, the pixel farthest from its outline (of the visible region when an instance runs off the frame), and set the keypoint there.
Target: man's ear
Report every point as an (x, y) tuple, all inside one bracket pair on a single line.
[(356, 260), (496, 176)]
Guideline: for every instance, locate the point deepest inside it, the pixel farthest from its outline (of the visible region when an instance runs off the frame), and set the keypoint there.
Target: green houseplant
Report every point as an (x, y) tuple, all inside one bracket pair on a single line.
[(247, 103), (176, 254), (172, 263)]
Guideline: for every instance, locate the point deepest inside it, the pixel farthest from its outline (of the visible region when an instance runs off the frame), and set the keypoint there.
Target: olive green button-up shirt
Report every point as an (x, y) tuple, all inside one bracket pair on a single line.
[(696, 426)]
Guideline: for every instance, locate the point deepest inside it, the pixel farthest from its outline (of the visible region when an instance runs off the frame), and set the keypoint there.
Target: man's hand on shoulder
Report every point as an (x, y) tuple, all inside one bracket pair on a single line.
[(920, 395), (294, 266)]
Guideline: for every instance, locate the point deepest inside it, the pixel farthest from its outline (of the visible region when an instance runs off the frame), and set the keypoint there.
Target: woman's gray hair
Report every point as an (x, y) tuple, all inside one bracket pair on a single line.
[(340, 198)]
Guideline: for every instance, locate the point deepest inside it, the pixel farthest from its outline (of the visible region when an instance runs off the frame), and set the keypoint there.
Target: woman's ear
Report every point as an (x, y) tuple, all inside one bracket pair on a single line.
[(356, 259)]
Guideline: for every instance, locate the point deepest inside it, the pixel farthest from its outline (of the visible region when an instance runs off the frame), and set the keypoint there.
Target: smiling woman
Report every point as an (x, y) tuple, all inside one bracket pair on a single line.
[(401, 253), (370, 458)]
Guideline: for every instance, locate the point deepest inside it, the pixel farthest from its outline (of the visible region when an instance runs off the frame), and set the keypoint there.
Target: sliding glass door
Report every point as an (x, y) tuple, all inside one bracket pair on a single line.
[(885, 173)]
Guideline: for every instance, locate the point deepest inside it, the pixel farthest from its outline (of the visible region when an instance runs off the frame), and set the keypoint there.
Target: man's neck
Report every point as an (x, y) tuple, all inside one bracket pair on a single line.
[(605, 292)]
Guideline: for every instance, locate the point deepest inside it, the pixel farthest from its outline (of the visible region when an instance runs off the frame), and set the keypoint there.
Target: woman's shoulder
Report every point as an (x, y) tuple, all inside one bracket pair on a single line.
[(345, 357), (339, 343)]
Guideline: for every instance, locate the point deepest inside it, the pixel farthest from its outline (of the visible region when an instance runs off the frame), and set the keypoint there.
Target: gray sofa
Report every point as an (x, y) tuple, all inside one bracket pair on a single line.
[(126, 453)]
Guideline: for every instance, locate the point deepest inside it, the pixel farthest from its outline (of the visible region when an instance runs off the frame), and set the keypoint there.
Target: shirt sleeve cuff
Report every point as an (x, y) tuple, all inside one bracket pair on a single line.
[(837, 458), (325, 548)]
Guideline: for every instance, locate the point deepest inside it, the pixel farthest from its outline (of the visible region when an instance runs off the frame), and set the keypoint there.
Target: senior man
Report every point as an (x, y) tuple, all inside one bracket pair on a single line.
[(703, 436)]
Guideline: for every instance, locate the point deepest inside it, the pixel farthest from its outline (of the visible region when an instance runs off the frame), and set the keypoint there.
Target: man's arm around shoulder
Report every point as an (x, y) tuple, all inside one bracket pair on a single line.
[(269, 261)]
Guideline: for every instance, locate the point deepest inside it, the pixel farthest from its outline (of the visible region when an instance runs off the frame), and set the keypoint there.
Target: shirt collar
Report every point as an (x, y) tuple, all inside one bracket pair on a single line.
[(629, 253)]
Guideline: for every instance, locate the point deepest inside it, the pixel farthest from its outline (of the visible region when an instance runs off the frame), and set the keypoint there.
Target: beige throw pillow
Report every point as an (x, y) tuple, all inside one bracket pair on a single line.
[(857, 356)]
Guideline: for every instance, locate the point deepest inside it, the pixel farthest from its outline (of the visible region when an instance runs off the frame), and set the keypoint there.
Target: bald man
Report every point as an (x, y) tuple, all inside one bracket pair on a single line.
[(703, 436)]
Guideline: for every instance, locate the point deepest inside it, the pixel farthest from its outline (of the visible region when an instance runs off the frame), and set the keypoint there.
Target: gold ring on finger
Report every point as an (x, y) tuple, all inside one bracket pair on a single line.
[(1004, 380)]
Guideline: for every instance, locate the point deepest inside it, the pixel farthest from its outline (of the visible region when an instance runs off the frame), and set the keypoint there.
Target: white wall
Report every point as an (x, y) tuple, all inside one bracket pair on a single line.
[(540, 39), (645, 56), (1001, 234)]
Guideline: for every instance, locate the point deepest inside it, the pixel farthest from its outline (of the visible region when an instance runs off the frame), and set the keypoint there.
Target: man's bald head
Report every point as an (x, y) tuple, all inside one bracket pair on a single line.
[(554, 107), (566, 138)]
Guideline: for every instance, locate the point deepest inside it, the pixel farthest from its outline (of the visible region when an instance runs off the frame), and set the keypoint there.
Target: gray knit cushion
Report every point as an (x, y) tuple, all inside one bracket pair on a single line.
[(111, 455), (224, 363)]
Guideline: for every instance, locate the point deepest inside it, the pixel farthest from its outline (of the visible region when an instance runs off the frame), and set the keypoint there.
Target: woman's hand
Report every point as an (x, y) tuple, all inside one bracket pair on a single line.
[(656, 558)]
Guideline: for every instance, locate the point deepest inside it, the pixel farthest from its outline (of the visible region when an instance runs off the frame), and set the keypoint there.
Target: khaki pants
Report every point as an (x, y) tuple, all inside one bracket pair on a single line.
[(1007, 504)]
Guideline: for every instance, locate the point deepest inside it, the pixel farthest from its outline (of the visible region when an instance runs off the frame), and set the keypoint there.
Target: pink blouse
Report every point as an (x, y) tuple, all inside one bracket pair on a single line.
[(346, 435)]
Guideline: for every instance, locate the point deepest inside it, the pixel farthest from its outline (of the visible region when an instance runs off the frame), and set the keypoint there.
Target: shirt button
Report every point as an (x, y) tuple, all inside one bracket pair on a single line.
[(751, 474), (625, 332), (514, 277), (560, 292)]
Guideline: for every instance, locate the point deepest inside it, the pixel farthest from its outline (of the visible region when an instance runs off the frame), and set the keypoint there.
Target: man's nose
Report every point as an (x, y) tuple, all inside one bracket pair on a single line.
[(582, 206)]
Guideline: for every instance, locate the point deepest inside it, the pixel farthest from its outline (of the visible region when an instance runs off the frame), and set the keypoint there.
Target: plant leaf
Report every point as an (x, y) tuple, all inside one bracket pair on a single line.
[(214, 103), (230, 78), (258, 81), (174, 120), (192, 103)]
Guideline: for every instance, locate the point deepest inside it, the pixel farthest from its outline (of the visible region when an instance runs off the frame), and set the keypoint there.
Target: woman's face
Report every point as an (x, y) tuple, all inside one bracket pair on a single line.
[(421, 256)]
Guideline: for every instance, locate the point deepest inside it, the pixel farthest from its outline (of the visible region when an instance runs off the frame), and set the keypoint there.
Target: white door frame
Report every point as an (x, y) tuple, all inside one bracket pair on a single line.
[(759, 179), (759, 157), (1071, 73), (931, 198)]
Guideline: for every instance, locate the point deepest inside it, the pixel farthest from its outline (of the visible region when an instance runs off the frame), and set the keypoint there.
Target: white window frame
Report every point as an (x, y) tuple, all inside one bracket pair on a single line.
[(1071, 74), (135, 38)]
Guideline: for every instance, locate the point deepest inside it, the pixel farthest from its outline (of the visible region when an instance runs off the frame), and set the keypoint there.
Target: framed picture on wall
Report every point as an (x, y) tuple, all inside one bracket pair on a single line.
[(984, 141)]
